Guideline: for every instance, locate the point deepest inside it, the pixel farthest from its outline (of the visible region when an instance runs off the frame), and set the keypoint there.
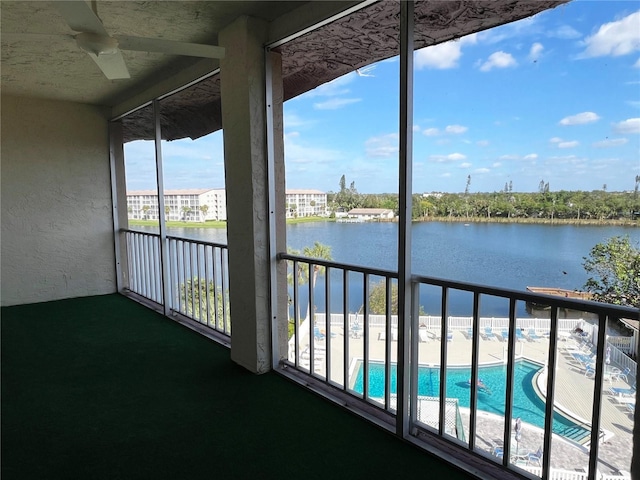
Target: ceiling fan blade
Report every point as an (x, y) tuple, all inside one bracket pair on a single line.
[(112, 65), (80, 17), (170, 47)]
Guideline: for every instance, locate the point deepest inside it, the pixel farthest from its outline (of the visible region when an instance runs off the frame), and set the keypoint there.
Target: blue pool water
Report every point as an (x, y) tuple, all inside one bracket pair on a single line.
[(526, 403)]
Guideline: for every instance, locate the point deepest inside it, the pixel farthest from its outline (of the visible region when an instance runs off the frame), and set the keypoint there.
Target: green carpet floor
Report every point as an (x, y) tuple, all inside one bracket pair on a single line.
[(103, 388)]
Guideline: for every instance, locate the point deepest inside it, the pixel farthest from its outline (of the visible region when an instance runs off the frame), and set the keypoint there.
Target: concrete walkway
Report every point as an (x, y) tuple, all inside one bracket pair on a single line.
[(573, 395)]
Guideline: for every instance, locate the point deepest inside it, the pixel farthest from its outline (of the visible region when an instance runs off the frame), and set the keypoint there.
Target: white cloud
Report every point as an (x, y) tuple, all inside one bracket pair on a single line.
[(517, 29), (449, 129), (634, 103), (536, 51), (482, 143), (291, 120), (297, 153), (631, 125), (333, 88), (452, 157), (441, 57), (610, 142), (496, 165), (498, 60), (382, 146), (580, 119), (637, 64), (335, 103), (530, 156), (560, 143), (416, 128), (444, 55), (481, 170), (615, 38), (565, 32), (571, 159), (465, 165), (455, 129)]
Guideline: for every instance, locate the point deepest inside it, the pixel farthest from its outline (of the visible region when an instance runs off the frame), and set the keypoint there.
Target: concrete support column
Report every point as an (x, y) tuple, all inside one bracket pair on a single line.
[(242, 85)]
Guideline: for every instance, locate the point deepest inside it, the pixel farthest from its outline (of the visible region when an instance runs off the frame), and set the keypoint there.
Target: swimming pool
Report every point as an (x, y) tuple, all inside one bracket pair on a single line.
[(526, 403)]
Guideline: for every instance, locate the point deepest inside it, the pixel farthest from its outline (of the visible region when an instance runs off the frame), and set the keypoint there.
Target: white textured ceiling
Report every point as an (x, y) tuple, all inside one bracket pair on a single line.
[(49, 64)]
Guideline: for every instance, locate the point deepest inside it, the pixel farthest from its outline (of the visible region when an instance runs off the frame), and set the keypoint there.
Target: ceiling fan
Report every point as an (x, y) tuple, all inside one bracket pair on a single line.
[(104, 49)]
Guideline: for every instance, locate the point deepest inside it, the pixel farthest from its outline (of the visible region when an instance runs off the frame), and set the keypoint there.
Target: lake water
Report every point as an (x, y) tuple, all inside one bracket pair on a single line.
[(501, 255)]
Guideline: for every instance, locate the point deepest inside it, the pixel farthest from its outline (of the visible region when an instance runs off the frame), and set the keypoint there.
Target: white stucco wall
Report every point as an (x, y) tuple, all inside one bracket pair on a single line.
[(57, 228)]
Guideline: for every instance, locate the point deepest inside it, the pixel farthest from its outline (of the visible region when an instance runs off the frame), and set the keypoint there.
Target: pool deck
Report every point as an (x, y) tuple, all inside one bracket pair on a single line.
[(615, 453)]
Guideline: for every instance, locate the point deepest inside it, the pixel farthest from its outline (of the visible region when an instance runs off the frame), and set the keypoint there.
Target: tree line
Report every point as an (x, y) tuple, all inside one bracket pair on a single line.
[(543, 204)]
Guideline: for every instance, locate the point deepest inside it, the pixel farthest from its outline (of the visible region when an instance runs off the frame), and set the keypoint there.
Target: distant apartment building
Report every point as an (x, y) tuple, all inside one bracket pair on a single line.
[(306, 203), (198, 205), (193, 205)]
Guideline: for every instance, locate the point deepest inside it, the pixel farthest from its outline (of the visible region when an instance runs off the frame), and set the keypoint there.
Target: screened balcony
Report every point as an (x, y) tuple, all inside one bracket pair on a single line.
[(97, 386)]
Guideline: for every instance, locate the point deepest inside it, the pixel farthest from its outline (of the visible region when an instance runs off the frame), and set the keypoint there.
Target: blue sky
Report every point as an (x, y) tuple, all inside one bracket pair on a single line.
[(555, 97)]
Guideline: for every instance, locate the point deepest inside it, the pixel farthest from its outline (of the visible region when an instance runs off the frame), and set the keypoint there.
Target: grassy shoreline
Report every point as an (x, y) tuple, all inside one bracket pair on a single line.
[(154, 223), (542, 221), (217, 224)]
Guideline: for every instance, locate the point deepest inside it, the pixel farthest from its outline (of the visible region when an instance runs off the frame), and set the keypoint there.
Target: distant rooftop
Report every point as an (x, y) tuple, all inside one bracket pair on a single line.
[(303, 192), (369, 211), (189, 191), (200, 191)]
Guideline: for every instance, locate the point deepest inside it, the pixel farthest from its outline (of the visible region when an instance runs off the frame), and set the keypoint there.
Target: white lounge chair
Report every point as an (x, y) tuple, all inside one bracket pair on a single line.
[(394, 334), (630, 400), (422, 335)]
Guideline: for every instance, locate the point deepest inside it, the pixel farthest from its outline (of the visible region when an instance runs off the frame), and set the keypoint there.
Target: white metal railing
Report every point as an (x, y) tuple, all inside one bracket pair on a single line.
[(199, 282), (144, 265), (357, 350), (197, 276), (618, 357), (624, 344), (431, 322)]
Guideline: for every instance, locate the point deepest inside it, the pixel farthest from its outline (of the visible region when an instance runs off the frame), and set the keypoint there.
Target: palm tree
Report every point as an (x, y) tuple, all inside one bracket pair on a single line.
[(197, 301), (145, 211), (186, 211), (204, 209), (302, 275), (318, 251), (167, 209)]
